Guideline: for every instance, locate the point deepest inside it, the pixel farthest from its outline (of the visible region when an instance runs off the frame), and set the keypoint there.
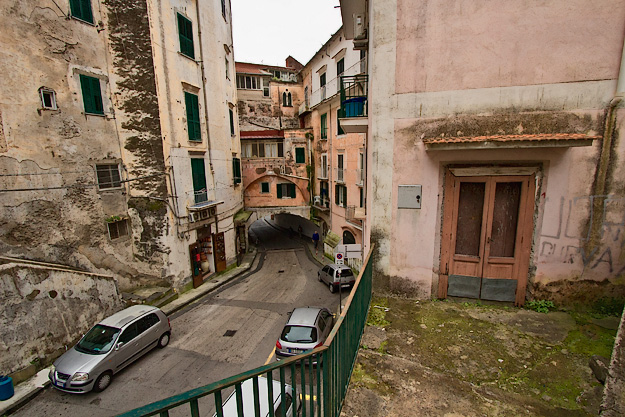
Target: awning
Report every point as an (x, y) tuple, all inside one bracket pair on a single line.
[(543, 140)]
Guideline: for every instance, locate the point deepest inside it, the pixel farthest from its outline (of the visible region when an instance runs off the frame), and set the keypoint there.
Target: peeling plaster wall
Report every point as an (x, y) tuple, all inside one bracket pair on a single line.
[(464, 69), (52, 153), (45, 308)]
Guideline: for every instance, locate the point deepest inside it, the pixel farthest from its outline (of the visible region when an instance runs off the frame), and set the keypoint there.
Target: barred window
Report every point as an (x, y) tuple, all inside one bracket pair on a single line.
[(108, 176)]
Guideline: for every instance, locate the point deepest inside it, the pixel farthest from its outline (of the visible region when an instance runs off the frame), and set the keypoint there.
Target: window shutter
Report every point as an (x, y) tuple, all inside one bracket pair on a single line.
[(236, 170), (85, 85), (292, 190), (337, 189), (91, 94), (300, 155), (231, 122), (193, 116), (97, 96), (344, 196), (279, 188), (198, 173), (185, 33)]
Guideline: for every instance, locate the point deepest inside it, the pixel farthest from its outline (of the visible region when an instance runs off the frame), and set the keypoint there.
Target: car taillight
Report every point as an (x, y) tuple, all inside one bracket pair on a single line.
[(319, 345), (168, 323), (278, 345)]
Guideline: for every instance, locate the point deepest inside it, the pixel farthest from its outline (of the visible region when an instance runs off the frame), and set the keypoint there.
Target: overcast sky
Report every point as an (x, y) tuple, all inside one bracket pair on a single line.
[(268, 31)]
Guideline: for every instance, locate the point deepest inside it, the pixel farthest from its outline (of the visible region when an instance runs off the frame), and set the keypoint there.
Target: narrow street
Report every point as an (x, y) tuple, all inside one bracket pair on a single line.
[(229, 331)]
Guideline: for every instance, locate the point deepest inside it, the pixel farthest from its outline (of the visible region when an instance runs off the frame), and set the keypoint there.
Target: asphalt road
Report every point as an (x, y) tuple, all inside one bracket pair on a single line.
[(231, 330)]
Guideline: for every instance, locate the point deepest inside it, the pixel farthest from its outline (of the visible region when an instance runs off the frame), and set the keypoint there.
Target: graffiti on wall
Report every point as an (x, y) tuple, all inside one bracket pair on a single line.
[(567, 230)]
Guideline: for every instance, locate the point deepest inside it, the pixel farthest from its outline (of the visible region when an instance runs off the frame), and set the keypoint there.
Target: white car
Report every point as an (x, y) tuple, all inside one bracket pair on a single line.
[(247, 391)]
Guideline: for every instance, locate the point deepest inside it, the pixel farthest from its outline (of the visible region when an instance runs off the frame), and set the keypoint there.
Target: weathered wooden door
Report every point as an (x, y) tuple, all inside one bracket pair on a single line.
[(219, 251), (487, 229)]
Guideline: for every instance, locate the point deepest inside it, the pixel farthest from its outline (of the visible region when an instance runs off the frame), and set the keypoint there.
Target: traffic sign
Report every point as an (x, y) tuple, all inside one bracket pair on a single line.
[(338, 258)]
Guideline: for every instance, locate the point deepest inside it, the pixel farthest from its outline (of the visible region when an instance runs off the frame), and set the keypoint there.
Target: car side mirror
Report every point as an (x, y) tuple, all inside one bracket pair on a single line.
[(120, 344)]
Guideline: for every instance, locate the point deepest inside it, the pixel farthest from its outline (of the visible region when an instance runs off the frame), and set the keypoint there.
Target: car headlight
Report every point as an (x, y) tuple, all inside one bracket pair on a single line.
[(80, 376)]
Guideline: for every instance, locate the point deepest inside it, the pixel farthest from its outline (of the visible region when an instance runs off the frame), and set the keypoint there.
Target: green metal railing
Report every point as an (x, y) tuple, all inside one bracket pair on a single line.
[(320, 389)]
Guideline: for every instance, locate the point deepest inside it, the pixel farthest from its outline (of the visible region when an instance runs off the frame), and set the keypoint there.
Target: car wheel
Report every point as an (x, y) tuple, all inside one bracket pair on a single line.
[(163, 341), (103, 381), (332, 289)]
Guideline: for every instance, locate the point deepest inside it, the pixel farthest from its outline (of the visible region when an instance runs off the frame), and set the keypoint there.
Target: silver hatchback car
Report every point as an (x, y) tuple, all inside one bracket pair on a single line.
[(336, 276), (108, 347), (306, 329)]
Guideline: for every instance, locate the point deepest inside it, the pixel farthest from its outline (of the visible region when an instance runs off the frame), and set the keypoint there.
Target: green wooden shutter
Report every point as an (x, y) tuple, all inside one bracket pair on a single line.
[(292, 190), (300, 155), (279, 188), (185, 34), (81, 9), (231, 122), (236, 170), (91, 94), (193, 116), (198, 173)]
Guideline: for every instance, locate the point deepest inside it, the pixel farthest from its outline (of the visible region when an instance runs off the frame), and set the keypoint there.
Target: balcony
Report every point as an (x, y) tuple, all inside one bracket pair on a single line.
[(353, 213), (333, 86), (360, 177), (340, 175), (353, 113)]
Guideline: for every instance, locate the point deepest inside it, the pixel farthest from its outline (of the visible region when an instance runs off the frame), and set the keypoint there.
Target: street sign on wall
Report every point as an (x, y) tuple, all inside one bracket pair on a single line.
[(338, 258)]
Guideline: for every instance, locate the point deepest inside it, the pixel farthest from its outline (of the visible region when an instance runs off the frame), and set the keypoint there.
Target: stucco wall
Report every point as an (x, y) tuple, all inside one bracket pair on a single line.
[(468, 69), (46, 308)]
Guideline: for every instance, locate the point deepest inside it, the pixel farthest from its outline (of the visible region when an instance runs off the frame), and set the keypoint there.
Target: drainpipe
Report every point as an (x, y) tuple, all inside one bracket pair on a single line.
[(203, 73), (605, 161)]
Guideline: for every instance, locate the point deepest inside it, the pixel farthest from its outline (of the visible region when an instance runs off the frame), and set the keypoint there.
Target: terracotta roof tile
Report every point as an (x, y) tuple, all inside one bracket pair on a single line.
[(509, 138)]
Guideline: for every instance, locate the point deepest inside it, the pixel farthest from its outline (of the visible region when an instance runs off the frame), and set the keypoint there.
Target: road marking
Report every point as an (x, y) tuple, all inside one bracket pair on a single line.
[(270, 355)]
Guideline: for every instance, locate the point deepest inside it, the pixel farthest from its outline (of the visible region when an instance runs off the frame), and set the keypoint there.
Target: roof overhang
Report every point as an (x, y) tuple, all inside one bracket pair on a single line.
[(354, 124), (543, 140), (348, 9)]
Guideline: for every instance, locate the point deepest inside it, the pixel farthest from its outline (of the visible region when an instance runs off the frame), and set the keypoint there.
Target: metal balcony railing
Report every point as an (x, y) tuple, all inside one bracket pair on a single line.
[(340, 175), (354, 90), (333, 86), (360, 177), (321, 389)]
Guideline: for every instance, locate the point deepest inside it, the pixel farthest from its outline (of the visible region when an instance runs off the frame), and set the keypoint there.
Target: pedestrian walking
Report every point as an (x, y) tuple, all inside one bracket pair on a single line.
[(315, 239)]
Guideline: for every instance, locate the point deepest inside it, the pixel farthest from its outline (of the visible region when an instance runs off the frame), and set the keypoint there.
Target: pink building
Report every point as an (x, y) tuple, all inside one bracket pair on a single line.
[(493, 141)]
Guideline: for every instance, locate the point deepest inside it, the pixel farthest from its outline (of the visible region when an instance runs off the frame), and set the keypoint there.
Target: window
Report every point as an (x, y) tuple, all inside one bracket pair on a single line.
[(231, 122), (340, 171), (324, 166), (129, 334), (91, 94), (322, 83), (198, 173), (118, 229), (339, 129), (227, 68), (324, 126), (223, 8), (249, 82), (340, 195), (236, 170), (185, 33), (193, 117), (286, 100), (362, 197), (108, 176), (48, 98), (286, 190), (300, 155), (340, 66), (264, 187), (81, 9), (262, 149), (146, 322)]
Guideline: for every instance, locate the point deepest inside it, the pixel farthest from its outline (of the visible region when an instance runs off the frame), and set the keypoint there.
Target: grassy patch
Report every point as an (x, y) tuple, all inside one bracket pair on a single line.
[(377, 313), (589, 339)]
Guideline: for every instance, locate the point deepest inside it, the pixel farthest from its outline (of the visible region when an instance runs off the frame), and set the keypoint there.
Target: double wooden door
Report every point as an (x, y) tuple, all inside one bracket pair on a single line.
[(487, 229)]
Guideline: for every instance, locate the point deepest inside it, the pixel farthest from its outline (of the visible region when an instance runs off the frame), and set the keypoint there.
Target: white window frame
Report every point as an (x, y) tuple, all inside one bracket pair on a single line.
[(43, 91)]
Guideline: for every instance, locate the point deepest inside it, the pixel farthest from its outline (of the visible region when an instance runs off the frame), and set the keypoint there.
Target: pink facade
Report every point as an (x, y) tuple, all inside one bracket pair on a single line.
[(507, 120)]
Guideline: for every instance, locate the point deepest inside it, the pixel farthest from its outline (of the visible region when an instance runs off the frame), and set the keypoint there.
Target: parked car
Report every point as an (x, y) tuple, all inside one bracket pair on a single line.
[(247, 391), (335, 275), (306, 329), (108, 347)]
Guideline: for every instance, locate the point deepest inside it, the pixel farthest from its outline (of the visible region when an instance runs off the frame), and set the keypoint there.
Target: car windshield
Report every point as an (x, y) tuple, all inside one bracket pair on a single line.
[(98, 340), (299, 334)]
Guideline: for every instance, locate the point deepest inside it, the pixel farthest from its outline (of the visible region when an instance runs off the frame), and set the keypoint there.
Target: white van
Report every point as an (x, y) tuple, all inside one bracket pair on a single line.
[(247, 391)]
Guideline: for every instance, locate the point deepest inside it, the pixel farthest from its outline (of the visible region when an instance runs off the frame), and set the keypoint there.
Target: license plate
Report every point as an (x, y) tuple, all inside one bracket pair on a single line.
[(295, 350)]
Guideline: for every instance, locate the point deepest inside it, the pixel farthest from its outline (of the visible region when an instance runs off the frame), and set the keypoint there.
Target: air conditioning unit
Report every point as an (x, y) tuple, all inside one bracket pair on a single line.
[(317, 200), (212, 211), (203, 214), (194, 217), (359, 26)]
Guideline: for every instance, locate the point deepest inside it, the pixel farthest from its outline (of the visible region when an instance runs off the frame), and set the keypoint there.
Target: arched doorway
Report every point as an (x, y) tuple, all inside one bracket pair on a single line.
[(348, 238)]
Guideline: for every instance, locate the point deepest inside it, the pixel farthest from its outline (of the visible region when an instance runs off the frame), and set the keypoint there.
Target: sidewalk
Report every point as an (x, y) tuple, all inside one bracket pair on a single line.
[(28, 389)]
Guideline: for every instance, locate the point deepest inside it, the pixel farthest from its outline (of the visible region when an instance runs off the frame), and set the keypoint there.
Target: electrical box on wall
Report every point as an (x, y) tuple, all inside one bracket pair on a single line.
[(409, 197)]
